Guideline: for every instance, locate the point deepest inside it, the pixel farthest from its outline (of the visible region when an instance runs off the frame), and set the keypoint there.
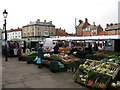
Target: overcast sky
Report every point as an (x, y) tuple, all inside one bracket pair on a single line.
[(61, 12)]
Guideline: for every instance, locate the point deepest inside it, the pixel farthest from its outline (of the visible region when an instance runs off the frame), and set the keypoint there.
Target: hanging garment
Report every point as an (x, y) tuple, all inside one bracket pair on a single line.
[(16, 44), (19, 44), (12, 44), (15, 51)]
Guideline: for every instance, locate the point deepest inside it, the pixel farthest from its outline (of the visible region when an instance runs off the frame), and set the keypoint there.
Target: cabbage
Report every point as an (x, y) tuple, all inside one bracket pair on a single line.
[(113, 84), (118, 83), (98, 69), (81, 76)]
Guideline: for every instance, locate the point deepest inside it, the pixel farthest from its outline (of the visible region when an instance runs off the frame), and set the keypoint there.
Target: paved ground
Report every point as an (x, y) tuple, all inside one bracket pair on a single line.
[(19, 74)]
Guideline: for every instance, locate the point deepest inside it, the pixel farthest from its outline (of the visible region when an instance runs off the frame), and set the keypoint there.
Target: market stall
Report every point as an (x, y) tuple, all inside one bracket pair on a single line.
[(55, 62)]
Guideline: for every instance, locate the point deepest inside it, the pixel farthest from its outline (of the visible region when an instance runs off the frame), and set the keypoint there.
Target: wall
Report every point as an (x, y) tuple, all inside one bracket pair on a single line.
[(110, 47)]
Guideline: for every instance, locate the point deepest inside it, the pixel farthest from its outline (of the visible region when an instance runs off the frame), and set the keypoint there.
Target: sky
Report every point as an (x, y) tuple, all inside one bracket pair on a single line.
[(62, 13)]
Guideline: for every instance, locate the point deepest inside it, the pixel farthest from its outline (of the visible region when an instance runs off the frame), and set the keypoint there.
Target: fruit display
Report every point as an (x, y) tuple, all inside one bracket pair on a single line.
[(64, 50), (55, 57), (101, 53), (28, 53), (47, 50)]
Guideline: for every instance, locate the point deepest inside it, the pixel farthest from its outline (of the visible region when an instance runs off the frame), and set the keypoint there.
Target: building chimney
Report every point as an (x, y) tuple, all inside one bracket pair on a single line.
[(111, 24), (50, 22), (86, 20), (80, 21), (45, 21), (107, 25), (94, 23), (38, 20)]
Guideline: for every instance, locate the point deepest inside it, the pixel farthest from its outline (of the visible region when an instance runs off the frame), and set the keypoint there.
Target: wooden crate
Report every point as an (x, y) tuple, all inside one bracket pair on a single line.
[(114, 68), (106, 83), (94, 63)]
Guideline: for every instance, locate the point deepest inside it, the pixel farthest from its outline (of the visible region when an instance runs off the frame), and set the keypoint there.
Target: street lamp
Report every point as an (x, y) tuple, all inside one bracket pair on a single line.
[(5, 16)]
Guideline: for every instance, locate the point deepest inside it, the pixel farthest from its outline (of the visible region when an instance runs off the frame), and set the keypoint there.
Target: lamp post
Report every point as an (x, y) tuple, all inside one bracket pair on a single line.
[(5, 16)]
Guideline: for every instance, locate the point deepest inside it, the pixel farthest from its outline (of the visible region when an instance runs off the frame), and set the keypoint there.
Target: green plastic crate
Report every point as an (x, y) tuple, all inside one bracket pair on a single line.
[(30, 59)]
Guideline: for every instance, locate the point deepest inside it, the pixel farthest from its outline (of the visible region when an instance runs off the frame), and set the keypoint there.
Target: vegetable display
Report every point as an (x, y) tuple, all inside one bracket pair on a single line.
[(96, 74)]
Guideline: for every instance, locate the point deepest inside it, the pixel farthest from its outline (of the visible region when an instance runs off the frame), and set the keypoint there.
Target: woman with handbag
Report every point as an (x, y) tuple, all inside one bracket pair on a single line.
[(40, 56)]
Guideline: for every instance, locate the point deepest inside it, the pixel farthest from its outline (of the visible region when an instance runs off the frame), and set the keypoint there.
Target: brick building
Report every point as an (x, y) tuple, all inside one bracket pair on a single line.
[(60, 32), (92, 30), (112, 29), (86, 29), (82, 25)]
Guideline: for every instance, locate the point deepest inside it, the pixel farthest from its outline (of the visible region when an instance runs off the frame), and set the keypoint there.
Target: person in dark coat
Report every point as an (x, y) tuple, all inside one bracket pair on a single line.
[(56, 48), (40, 56), (74, 49)]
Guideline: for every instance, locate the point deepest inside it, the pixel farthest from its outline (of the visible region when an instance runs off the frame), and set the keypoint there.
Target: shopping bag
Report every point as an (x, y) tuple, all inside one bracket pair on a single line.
[(38, 60), (35, 60)]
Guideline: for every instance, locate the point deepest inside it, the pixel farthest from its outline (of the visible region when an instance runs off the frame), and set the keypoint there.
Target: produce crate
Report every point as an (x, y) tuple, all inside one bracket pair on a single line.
[(85, 78), (33, 54), (94, 63), (102, 81), (74, 57), (54, 66), (30, 59), (115, 68), (77, 74), (23, 58), (71, 67), (89, 60), (45, 62), (94, 80), (55, 57)]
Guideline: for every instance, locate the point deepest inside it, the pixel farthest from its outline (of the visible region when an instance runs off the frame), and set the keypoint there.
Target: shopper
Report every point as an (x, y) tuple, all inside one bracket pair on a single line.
[(74, 49), (56, 48), (95, 48), (40, 56), (20, 51), (89, 48)]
